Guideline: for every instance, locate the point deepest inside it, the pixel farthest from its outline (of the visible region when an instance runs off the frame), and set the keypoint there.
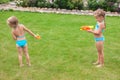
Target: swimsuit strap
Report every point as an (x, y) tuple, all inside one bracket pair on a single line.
[(97, 27), (21, 36)]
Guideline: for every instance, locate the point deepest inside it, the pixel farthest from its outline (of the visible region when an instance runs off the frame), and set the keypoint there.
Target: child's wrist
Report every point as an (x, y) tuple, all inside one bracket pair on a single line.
[(35, 36)]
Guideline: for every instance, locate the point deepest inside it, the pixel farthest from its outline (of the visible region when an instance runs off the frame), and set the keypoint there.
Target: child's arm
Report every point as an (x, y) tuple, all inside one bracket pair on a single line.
[(97, 32), (29, 31), (14, 37)]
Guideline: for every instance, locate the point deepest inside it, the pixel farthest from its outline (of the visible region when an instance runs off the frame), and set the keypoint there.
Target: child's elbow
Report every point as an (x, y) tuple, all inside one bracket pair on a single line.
[(14, 38), (97, 33)]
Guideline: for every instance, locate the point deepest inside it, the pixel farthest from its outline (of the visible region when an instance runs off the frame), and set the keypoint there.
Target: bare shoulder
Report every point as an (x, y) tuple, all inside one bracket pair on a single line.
[(102, 25), (22, 26)]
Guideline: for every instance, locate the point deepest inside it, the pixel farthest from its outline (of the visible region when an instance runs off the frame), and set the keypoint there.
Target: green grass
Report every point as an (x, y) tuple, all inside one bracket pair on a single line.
[(4, 1), (63, 53)]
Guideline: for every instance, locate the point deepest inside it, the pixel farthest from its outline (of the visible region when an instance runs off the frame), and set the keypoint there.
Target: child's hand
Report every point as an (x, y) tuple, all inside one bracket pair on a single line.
[(37, 36), (90, 31)]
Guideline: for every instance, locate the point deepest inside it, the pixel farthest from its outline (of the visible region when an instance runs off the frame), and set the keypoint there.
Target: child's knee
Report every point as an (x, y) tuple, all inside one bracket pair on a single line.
[(100, 51), (26, 54)]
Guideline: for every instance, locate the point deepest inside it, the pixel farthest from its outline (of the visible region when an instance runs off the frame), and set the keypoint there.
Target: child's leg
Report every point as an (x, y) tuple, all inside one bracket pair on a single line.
[(99, 46), (102, 58), (25, 49), (20, 56), (98, 58)]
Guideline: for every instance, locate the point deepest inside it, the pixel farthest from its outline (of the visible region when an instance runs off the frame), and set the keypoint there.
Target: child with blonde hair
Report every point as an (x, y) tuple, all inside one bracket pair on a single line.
[(99, 15), (18, 34)]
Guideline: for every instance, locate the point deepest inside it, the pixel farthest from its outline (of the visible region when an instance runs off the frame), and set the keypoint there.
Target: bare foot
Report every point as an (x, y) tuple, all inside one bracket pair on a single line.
[(100, 65), (29, 64), (96, 63), (21, 65)]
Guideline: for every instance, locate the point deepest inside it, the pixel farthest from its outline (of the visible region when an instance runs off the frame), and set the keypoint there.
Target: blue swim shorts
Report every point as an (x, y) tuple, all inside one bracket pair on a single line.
[(21, 43), (100, 39)]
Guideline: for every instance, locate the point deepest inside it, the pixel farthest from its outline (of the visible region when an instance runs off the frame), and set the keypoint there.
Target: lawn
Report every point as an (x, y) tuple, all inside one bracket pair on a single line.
[(4, 1), (63, 53)]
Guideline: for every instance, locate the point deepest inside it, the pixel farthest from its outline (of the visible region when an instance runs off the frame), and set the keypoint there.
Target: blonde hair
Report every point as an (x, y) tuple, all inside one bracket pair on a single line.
[(99, 12), (12, 20)]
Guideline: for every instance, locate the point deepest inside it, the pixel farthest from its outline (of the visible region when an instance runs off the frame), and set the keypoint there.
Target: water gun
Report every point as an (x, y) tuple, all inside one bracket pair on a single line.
[(86, 27), (38, 36)]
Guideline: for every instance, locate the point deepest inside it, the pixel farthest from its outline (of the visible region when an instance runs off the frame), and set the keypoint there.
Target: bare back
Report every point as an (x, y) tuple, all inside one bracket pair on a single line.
[(19, 32)]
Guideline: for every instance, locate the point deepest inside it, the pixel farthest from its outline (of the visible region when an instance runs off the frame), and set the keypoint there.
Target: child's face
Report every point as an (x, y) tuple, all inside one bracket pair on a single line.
[(99, 18)]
